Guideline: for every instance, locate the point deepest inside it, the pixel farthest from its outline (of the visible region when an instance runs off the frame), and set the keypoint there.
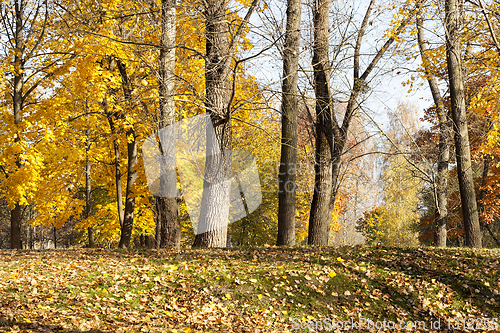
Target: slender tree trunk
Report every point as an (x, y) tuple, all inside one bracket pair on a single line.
[(482, 196), (118, 172), (88, 190), (128, 220), (458, 111), (320, 217), (168, 207), (157, 233), (289, 111), (17, 97), (441, 183)]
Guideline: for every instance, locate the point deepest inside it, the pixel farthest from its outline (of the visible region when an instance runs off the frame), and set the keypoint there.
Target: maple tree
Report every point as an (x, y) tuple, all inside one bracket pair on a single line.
[(29, 29)]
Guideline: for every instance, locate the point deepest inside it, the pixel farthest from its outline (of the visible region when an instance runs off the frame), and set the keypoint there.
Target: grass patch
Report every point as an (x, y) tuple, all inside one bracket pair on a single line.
[(270, 289)]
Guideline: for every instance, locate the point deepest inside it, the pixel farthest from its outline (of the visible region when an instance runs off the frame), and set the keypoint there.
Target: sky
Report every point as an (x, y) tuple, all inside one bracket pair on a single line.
[(387, 89)]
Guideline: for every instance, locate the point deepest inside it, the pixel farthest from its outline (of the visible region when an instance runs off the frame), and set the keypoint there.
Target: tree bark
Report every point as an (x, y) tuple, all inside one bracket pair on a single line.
[(128, 218), (17, 97), (441, 183), (214, 211), (88, 202), (88, 189), (458, 111), (482, 195), (157, 232), (320, 217), (128, 221), (167, 208), (289, 111), (118, 172), (330, 138), (323, 203)]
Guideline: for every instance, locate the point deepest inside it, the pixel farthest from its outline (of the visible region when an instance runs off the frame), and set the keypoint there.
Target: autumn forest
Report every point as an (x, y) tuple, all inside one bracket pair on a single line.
[(289, 94)]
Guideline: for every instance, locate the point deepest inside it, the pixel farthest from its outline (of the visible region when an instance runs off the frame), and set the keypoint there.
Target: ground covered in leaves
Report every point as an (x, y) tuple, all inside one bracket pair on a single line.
[(264, 289)]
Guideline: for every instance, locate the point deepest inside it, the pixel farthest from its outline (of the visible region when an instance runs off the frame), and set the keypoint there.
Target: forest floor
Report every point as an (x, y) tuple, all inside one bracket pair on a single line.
[(265, 289)]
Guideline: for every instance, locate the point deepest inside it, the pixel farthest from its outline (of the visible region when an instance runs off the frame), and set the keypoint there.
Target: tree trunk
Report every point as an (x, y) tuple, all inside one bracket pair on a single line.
[(482, 195), (15, 227), (170, 229), (214, 210), (458, 111), (118, 172), (320, 217), (289, 110), (157, 232), (330, 138), (128, 220), (88, 191), (441, 183), (323, 203), (17, 98), (167, 207)]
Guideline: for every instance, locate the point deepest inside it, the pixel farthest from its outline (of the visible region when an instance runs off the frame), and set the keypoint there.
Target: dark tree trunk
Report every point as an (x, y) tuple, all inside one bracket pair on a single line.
[(331, 137), (323, 203), (17, 97), (128, 220), (289, 111), (441, 182), (157, 231), (167, 207), (15, 227), (30, 238), (482, 196), (458, 111), (118, 172), (55, 237), (170, 230), (320, 217), (88, 192)]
